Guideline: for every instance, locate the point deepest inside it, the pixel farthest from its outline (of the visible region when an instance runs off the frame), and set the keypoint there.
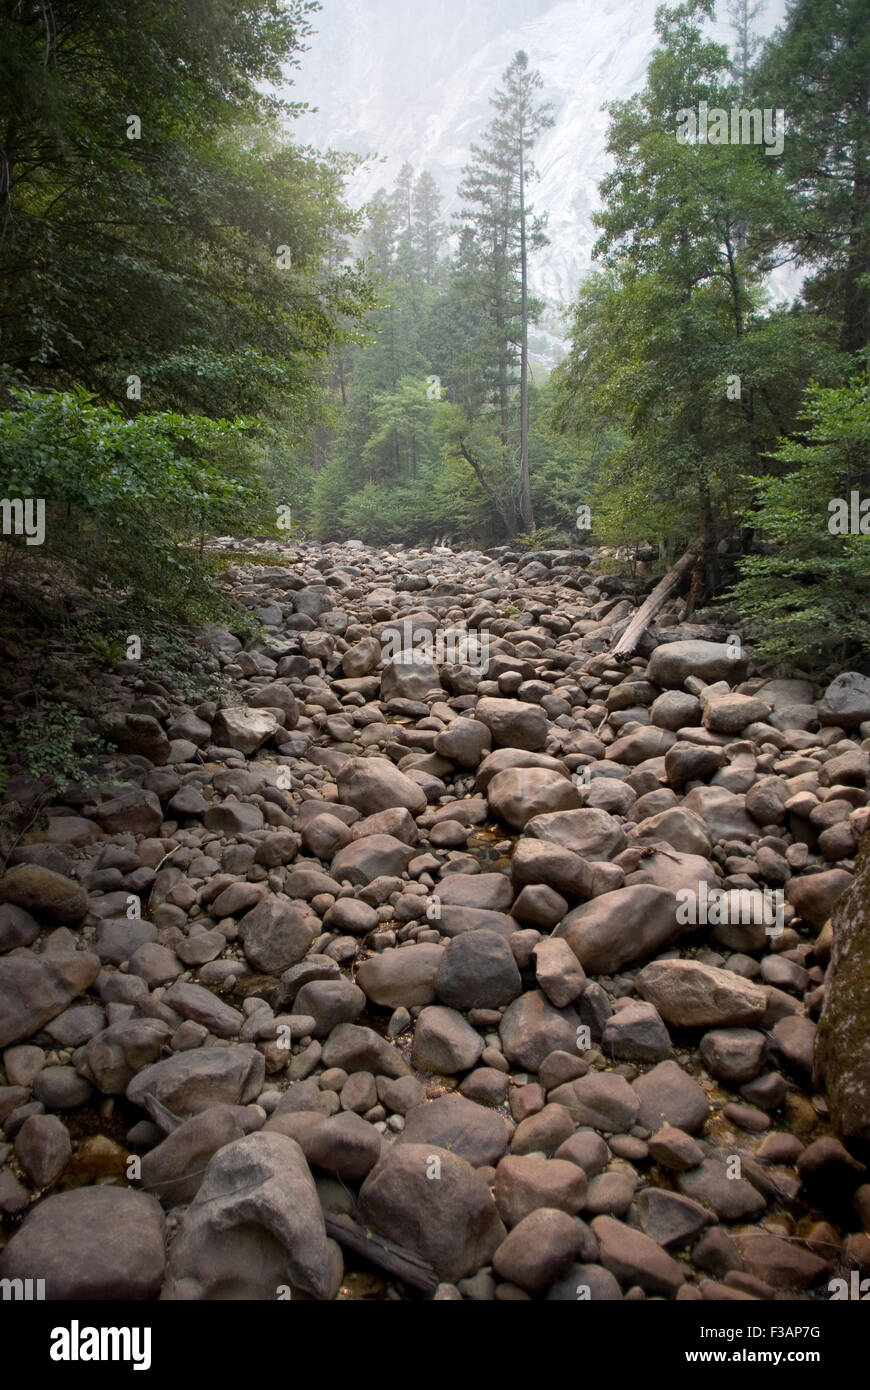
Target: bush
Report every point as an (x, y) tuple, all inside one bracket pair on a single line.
[(128, 502), (50, 745)]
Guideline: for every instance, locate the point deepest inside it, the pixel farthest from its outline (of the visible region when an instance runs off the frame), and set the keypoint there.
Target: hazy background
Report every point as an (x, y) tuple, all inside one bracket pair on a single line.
[(411, 80)]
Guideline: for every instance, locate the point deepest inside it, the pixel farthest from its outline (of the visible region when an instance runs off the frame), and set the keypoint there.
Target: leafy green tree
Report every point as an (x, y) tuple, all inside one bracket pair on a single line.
[(402, 439), (674, 341), (816, 68), (157, 223), (166, 248)]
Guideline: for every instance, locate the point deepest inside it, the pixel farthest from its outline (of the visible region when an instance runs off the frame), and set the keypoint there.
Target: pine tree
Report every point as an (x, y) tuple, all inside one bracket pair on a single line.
[(495, 186), (427, 232), (403, 200), (379, 237), (743, 14)]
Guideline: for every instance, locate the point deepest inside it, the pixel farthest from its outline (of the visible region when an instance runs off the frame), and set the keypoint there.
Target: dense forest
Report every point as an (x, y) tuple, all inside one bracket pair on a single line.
[(690, 403), (204, 332)]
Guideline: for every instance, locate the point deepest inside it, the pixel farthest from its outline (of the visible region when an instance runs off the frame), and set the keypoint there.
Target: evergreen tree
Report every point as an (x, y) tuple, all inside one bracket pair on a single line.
[(381, 231), (427, 231), (743, 14), (403, 200), (809, 594), (495, 187)]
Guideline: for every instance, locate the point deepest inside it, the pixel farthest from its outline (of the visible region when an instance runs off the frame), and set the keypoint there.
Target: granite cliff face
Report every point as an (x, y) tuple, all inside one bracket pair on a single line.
[(411, 80)]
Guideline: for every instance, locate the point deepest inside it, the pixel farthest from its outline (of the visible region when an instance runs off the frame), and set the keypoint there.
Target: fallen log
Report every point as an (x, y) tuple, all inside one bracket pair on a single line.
[(627, 643), (393, 1259)]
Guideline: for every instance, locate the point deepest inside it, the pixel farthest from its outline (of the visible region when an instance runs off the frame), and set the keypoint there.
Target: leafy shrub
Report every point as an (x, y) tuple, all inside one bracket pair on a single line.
[(50, 743), (128, 502)]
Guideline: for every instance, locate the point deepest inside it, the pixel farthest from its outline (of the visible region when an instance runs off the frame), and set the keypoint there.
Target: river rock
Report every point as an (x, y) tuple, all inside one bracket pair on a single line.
[(52, 897), (405, 977), (672, 662), (277, 933), (371, 857), (431, 1201), (113, 1056), (137, 733), (43, 1148), (245, 729), (188, 1082), (842, 1047), (669, 1096), (173, 1170), (477, 970), (634, 1258), (362, 1049), (846, 702), (35, 989), (531, 1029), (513, 723), (539, 1247), (444, 1043), (689, 994), (93, 1243), (523, 1184), (620, 928), (461, 1126), (518, 794), (254, 1226), (558, 972), (375, 784)]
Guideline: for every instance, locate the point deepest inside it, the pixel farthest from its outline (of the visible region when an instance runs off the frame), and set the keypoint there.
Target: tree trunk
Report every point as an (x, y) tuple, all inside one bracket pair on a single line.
[(394, 1259), (661, 593), (526, 511)]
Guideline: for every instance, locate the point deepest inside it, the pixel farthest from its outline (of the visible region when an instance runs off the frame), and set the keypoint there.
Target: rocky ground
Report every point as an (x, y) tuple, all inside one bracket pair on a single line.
[(375, 983)]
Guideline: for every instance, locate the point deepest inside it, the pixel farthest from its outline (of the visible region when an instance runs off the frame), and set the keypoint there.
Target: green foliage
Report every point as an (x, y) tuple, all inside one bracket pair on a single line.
[(159, 255), (674, 343), (127, 501), (173, 276), (539, 538), (681, 370), (810, 595), (816, 70), (49, 743)]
